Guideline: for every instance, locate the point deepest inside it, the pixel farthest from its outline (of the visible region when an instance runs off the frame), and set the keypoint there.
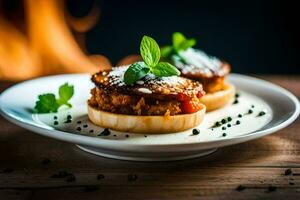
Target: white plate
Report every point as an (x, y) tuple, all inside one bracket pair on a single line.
[(281, 108)]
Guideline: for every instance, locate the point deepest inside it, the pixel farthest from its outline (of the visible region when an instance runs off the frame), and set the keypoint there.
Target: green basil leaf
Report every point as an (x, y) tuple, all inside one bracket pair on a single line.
[(150, 51), (187, 44), (166, 51), (165, 69), (135, 72), (178, 38)]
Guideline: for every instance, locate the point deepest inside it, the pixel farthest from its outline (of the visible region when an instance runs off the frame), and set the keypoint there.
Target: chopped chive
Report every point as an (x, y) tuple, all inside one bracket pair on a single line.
[(68, 121), (261, 113), (196, 131), (217, 124)]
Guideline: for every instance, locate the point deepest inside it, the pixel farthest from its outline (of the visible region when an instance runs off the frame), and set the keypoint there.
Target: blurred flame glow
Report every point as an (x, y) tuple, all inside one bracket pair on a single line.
[(47, 45)]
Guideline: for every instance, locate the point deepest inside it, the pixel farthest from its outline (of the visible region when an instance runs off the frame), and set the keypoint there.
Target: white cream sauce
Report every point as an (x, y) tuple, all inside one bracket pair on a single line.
[(248, 123)]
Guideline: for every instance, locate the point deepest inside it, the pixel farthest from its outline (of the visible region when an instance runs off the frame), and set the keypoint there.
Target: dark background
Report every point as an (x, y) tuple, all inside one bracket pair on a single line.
[(257, 36), (254, 36)]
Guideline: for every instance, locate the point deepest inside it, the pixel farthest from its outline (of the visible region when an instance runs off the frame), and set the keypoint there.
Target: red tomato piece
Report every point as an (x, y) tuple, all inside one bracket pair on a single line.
[(190, 107)]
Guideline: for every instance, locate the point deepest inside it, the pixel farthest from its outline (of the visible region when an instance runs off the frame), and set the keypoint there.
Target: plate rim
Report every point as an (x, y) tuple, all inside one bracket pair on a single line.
[(111, 144)]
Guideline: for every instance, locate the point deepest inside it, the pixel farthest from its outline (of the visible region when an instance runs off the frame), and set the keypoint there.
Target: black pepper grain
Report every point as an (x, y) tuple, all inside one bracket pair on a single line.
[(55, 123), (69, 117), (85, 126), (250, 111), (238, 122), (223, 128), (224, 134), (91, 188), (236, 101), (240, 188), (223, 121), (228, 125), (132, 177), (105, 132), (55, 117), (229, 119), (78, 122), (288, 172), (272, 188), (78, 129), (91, 131), (100, 176), (237, 95), (127, 136)]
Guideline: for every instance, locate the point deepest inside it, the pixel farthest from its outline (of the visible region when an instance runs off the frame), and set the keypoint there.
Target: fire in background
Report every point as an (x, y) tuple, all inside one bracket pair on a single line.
[(40, 37)]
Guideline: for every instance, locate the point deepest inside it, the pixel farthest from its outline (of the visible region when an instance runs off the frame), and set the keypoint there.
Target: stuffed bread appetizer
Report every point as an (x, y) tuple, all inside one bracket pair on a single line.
[(197, 65), (145, 97)]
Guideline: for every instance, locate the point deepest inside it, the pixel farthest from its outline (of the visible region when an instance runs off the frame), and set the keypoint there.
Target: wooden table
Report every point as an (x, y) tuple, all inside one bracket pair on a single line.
[(252, 170)]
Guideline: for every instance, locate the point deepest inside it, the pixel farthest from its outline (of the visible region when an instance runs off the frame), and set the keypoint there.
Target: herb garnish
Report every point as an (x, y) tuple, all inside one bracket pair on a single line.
[(196, 131), (47, 103), (150, 53), (180, 43)]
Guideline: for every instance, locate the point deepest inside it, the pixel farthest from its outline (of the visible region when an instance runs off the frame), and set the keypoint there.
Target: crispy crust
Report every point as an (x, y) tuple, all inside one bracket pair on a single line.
[(211, 82), (145, 124), (133, 105), (148, 87), (218, 99)]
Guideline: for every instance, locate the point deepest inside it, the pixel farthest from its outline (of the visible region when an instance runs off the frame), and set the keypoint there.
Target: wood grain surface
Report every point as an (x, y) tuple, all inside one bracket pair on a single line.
[(35, 167)]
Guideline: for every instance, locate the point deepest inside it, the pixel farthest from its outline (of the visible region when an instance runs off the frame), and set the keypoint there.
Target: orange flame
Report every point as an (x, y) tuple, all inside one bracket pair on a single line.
[(48, 47)]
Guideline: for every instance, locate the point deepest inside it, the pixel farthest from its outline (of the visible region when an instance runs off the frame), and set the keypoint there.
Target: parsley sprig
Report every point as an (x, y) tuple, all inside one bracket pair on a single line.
[(47, 103), (150, 53), (179, 43)]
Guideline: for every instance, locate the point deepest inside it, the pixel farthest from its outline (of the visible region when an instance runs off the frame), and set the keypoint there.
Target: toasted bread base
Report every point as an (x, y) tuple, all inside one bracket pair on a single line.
[(219, 99), (145, 124)]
